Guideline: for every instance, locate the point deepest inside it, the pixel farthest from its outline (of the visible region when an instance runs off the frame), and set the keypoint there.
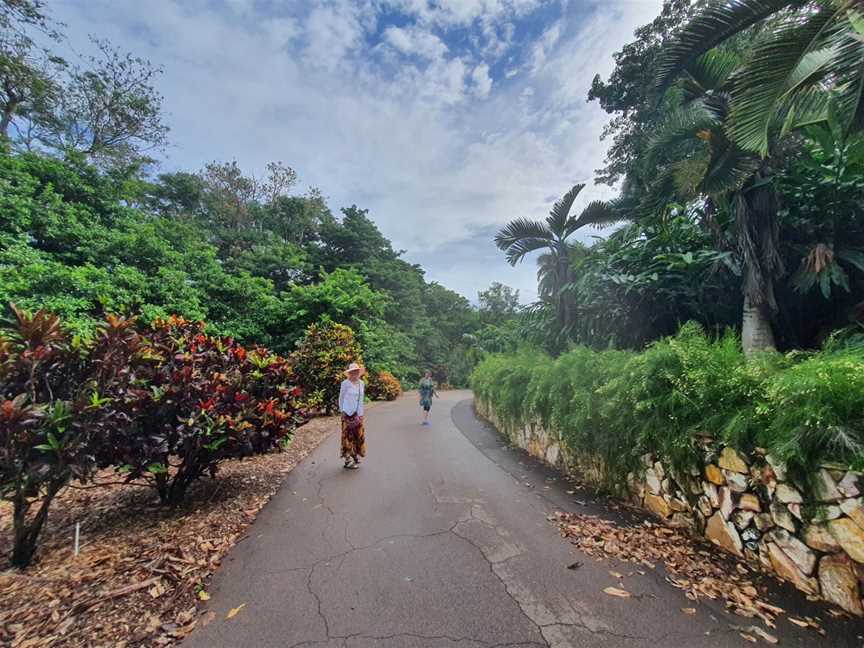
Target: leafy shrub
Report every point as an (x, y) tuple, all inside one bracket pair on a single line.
[(58, 401), (207, 399), (615, 405), (320, 361), (165, 403), (816, 410), (383, 385)]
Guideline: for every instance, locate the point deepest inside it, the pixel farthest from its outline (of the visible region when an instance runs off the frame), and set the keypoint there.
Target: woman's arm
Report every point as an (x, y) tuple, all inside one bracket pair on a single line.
[(342, 391), (361, 397)]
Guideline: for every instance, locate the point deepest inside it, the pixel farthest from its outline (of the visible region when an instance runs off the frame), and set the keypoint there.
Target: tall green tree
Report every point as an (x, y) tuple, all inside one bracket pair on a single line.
[(696, 160), (523, 236), (803, 48)]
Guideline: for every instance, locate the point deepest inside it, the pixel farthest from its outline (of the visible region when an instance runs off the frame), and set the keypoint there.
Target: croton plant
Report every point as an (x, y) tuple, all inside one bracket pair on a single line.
[(163, 403)]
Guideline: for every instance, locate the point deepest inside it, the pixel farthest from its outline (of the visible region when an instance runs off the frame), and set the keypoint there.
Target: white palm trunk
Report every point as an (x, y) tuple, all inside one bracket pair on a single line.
[(756, 332)]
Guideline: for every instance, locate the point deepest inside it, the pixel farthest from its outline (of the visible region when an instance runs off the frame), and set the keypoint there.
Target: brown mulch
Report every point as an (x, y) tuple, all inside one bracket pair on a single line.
[(142, 571), (693, 566)]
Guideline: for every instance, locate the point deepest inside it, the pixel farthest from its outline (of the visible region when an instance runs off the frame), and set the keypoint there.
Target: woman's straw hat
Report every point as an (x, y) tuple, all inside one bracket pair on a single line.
[(355, 367)]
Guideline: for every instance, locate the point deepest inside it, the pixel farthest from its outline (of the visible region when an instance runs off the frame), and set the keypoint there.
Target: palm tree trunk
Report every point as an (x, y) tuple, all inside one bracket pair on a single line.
[(756, 332)]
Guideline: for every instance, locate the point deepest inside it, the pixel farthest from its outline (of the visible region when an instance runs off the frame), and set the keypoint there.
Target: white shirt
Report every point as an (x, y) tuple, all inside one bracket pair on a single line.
[(351, 397)]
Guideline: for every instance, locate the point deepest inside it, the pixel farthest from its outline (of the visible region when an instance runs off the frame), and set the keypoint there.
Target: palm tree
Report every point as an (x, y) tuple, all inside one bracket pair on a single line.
[(523, 236), (805, 47), (697, 160)]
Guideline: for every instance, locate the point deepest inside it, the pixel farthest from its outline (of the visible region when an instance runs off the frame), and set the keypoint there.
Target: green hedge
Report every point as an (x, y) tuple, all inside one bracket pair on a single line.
[(805, 408)]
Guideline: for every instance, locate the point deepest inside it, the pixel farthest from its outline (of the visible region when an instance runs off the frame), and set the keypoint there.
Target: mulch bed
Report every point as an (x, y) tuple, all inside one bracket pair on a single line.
[(142, 572)]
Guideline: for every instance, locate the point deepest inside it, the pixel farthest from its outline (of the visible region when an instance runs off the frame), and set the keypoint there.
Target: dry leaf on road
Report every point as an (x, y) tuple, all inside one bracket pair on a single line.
[(234, 611), (614, 591)]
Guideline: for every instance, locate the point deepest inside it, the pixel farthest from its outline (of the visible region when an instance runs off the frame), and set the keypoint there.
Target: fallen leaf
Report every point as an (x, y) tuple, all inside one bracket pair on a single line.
[(614, 591), (799, 622), (204, 596), (767, 636), (688, 610), (575, 565), (748, 637), (233, 611), (616, 574)]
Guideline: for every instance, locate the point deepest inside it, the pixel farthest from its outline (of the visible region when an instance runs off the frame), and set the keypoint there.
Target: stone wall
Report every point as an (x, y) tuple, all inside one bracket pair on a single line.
[(744, 504)]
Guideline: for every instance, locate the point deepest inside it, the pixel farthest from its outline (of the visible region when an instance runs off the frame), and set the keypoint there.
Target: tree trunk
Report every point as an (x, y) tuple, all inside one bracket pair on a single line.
[(756, 332), (26, 534)]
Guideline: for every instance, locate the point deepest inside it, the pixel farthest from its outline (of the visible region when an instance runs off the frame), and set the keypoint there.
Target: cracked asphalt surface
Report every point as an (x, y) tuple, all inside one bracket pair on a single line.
[(440, 539)]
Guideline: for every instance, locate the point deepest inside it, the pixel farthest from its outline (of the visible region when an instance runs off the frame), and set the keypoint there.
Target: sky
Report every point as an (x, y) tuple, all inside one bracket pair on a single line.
[(445, 118)]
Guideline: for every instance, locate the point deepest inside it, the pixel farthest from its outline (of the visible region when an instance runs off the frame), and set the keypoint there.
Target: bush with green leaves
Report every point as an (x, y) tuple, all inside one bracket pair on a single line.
[(681, 391), (383, 385), (320, 362)]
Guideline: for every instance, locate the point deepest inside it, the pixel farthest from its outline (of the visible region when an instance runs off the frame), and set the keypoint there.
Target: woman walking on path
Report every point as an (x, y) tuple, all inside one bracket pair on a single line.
[(351, 406), (427, 391)]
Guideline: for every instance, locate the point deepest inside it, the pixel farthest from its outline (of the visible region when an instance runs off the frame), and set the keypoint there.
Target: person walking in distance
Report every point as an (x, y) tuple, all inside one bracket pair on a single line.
[(351, 396), (427, 391)]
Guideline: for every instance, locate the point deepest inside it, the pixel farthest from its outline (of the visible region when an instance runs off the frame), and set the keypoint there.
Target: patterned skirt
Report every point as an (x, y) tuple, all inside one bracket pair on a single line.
[(353, 441)]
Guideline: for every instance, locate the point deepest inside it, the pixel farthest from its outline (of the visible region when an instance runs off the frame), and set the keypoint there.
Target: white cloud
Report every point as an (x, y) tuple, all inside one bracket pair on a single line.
[(482, 81), (544, 46), (415, 41), (440, 160), (332, 31)]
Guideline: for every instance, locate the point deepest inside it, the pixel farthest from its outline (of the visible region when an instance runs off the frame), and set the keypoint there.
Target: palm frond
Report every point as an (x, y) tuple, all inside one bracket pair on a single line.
[(521, 236), (712, 70), (728, 167), (720, 20), (847, 74), (779, 64), (808, 106), (557, 220), (599, 213), (688, 125)]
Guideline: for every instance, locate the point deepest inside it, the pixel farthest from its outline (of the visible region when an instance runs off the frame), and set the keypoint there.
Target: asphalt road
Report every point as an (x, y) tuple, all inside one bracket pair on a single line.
[(441, 539)]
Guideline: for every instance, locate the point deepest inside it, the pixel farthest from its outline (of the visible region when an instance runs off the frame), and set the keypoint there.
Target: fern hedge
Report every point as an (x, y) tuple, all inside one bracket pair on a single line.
[(804, 408)]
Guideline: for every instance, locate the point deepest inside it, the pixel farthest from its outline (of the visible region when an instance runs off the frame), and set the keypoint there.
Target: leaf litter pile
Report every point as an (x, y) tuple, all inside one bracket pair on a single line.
[(143, 569), (692, 566)]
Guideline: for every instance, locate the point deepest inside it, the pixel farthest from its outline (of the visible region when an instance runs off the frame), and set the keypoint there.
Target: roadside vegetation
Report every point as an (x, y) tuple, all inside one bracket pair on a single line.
[(804, 408), (726, 298)]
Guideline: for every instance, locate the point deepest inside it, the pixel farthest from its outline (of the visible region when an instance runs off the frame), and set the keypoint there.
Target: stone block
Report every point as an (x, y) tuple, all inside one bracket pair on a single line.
[(750, 502), (786, 569), (782, 517), (825, 488), (736, 481), (854, 510), (652, 481), (723, 534), (764, 521), (848, 486), (799, 552), (714, 475), (777, 466), (658, 505), (727, 504), (839, 583), (741, 519), (850, 536), (711, 493), (732, 460), (787, 494), (818, 537)]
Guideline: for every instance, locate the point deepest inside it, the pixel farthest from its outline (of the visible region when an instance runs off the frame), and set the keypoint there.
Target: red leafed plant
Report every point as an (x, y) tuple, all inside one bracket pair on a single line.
[(207, 399), (54, 412), (164, 403)]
